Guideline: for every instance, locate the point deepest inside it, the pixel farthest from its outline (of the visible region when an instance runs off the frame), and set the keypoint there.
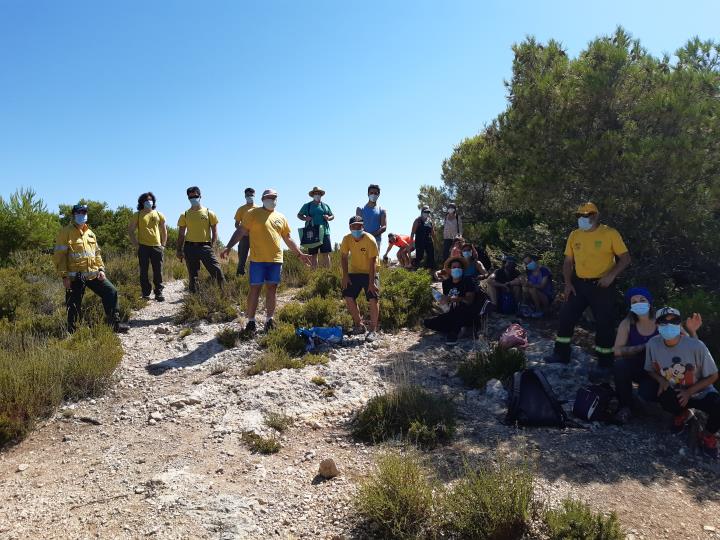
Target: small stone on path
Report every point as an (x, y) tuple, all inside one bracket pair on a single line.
[(328, 469)]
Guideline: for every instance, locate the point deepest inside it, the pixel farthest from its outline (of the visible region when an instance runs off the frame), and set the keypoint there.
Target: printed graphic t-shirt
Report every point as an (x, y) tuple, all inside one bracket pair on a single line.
[(361, 252), (594, 252), (267, 229)]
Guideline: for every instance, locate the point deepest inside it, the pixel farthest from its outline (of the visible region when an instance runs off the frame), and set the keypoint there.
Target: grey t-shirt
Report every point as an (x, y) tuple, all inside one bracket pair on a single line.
[(682, 365)]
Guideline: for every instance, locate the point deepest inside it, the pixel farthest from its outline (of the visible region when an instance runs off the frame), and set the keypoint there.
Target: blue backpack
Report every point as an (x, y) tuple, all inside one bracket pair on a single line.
[(318, 334)]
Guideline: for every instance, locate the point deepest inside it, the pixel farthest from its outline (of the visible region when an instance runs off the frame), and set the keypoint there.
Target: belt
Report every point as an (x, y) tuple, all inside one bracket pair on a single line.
[(587, 280), (198, 243), (83, 274)]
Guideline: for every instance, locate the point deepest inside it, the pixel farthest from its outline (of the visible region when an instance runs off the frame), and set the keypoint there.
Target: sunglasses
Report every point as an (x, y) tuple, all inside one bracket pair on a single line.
[(589, 214), (669, 320)]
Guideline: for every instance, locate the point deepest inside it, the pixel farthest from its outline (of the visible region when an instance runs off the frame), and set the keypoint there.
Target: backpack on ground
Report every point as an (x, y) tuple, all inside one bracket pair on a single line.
[(596, 403), (320, 335), (532, 402)]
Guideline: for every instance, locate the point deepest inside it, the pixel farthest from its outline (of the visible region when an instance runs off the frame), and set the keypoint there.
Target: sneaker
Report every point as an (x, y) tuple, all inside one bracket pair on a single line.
[(451, 340), (371, 336), (359, 330), (680, 422), (120, 328), (555, 359), (146, 297), (159, 297), (623, 415), (250, 328), (269, 325), (708, 445)]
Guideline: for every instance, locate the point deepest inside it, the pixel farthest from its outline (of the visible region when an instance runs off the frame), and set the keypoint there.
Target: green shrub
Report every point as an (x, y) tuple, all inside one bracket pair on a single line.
[(274, 359), (706, 304), (259, 444), (405, 298), (312, 359), (408, 411), (318, 380), (323, 283), (574, 520), (490, 503), (497, 364), (295, 273), (398, 498), (315, 312), (283, 337), (212, 303), (227, 337), (278, 421)]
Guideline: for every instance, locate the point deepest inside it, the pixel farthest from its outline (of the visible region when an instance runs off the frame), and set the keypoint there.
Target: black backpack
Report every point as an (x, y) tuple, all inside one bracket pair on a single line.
[(532, 402), (596, 403)]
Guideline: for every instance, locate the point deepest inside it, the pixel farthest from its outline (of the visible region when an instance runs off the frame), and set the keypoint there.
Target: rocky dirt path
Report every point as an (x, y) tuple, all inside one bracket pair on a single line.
[(161, 454)]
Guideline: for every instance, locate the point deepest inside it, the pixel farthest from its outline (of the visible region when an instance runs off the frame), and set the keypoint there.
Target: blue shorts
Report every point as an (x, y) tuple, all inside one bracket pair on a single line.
[(264, 272)]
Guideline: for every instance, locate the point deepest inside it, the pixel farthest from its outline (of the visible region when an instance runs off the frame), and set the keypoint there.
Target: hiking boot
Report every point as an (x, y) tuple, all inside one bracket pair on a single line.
[(146, 297), (159, 297), (451, 340), (120, 328), (708, 445), (555, 359), (680, 422), (623, 416), (359, 330), (250, 328), (371, 336), (269, 325)]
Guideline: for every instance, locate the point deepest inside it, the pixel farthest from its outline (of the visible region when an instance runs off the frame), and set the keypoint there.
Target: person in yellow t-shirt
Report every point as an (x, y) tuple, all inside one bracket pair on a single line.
[(359, 260), (244, 245), (266, 228), (197, 237), (595, 255), (148, 233)]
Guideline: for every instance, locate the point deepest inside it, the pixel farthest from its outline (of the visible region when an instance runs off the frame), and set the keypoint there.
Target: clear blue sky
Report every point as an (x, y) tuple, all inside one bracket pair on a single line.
[(105, 100)]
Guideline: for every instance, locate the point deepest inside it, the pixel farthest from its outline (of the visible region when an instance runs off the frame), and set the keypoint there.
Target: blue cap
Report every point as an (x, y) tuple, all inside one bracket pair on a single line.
[(633, 291), (79, 208)]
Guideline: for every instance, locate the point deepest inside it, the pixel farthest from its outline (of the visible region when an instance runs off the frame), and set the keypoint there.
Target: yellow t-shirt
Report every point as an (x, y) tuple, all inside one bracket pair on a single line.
[(240, 214), (594, 251), (198, 223), (361, 252), (148, 224), (266, 229)]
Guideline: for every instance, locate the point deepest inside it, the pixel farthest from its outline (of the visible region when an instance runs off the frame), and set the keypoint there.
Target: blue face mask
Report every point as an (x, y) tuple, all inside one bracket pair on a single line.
[(669, 331), (456, 273), (195, 202), (640, 308), (467, 254), (532, 265), (585, 223), (356, 233), (148, 205), (80, 219)]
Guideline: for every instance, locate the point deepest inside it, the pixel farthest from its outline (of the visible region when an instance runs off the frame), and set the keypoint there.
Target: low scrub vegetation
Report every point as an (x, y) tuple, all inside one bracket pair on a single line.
[(283, 338), (212, 303), (408, 412), (275, 359), (259, 444), (406, 298), (496, 364), (317, 311), (227, 337), (278, 421), (575, 520), (324, 284)]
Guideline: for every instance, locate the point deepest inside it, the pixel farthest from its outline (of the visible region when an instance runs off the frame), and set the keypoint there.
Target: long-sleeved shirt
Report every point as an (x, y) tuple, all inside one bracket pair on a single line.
[(77, 251)]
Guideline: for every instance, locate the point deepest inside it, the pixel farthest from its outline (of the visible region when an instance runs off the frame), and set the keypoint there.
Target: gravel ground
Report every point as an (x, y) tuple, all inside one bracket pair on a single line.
[(161, 454)]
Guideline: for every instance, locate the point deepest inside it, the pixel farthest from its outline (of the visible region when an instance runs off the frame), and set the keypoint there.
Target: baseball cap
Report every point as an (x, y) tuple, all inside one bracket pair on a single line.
[(587, 208), (667, 315), (269, 193), (79, 208), (425, 209), (356, 219), (249, 190)]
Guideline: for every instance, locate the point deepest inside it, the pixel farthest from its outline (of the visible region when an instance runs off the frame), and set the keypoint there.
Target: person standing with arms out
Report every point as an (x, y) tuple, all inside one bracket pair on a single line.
[(244, 246), (77, 258), (266, 228), (422, 235), (318, 214), (595, 255), (361, 273), (374, 217), (197, 238), (148, 233), (452, 228)]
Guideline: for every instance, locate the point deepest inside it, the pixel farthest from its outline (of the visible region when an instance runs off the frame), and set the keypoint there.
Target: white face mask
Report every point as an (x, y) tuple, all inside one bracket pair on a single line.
[(148, 205), (317, 198), (373, 197), (249, 200), (269, 204), (195, 202), (80, 219), (451, 211)]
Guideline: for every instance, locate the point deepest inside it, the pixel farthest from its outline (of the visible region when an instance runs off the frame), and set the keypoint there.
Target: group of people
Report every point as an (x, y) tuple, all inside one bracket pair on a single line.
[(654, 350)]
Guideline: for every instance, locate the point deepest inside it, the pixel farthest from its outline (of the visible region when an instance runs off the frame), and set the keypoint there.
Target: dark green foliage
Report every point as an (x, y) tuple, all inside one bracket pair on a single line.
[(25, 224), (283, 337), (408, 411), (489, 503), (706, 304), (574, 520), (315, 312), (294, 272), (324, 283), (398, 498), (405, 298), (497, 364), (636, 134), (261, 445)]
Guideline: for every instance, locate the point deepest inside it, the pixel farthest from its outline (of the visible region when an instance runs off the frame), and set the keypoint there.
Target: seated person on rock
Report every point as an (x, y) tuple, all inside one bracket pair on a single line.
[(474, 270), (405, 247), (538, 286), (459, 294), (681, 376), (505, 281), (633, 333)]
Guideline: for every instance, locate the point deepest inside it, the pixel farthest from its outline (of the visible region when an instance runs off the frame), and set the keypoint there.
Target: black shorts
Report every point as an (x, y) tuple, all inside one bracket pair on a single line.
[(358, 282), (324, 248)]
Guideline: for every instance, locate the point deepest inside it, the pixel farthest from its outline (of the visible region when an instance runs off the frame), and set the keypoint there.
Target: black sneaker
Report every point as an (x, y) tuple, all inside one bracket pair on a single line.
[(555, 359), (159, 297), (269, 325), (250, 328), (451, 340), (120, 328), (146, 297)]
